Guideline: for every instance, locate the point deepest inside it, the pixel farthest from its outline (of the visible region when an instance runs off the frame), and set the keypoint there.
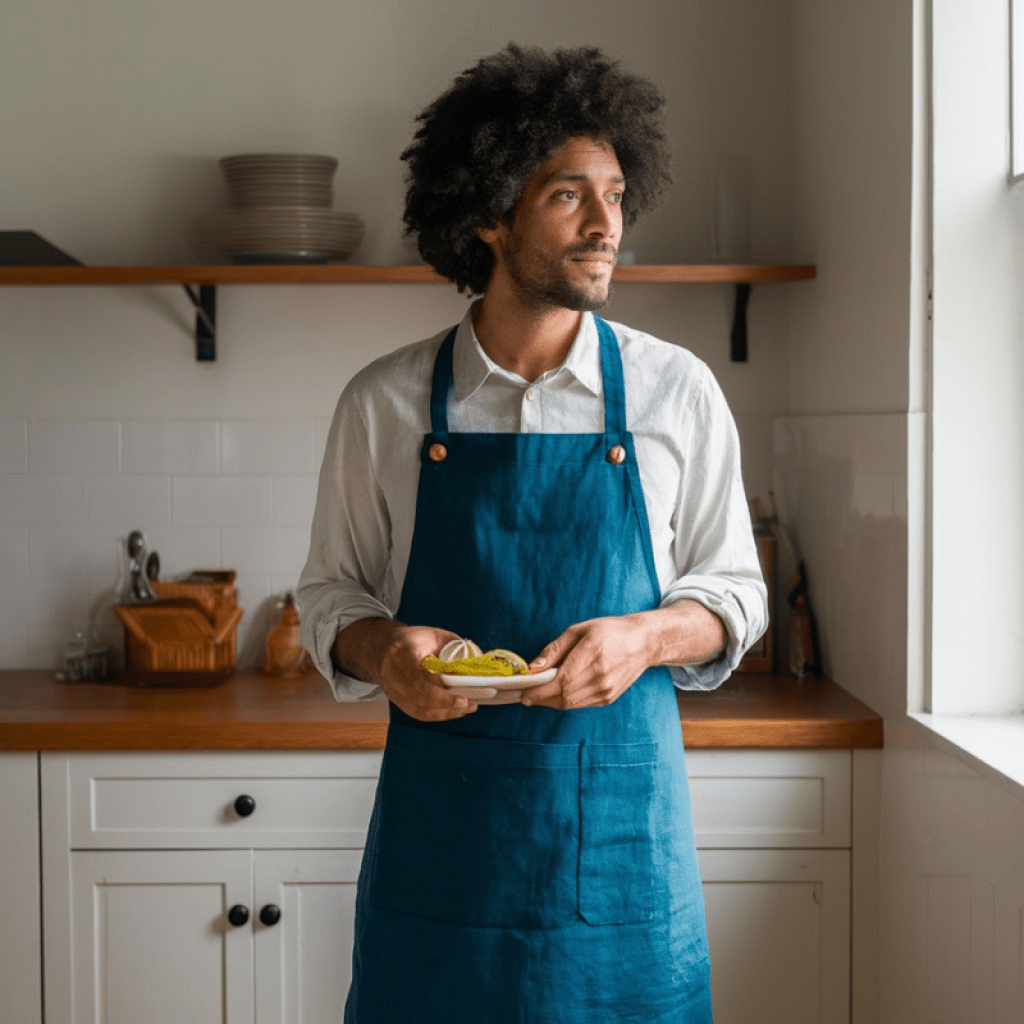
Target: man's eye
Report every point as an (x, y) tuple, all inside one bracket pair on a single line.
[(615, 197), (568, 193)]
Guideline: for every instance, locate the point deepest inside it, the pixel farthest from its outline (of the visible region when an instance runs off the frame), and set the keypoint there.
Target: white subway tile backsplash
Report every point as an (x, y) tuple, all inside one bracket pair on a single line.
[(58, 600), (129, 501), (282, 582), (182, 550), (278, 550), (222, 501), (294, 500), (43, 501), (840, 484), (79, 549), (74, 446), (871, 503), (13, 647), (45, 645), (13, 551), (321, 428), (253, 590), (103, 593), (881, 445), (234, 494), (180, 447), (13, 446), (267, 446), (254, 597)]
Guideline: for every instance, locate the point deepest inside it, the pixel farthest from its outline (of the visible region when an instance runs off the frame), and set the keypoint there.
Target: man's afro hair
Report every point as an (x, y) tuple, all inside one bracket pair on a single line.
[(480, 141)]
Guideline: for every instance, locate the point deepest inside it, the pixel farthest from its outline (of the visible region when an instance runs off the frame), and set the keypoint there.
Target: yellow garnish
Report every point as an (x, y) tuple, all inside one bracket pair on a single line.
[(482, 665)]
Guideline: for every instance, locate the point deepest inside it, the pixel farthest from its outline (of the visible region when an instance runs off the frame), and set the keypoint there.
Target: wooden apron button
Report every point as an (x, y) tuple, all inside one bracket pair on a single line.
[(616, 455), (438, 452)]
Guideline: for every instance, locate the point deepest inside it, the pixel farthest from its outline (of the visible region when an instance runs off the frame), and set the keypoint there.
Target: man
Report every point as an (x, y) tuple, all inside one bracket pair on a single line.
[(541, 481)]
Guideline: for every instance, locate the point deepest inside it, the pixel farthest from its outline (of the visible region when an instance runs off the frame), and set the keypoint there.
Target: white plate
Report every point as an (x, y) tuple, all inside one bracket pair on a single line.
[(519, 682)]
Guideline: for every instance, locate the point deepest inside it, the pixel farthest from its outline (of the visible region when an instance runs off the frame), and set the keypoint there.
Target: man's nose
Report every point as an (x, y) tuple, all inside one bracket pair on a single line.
[(603, 219)]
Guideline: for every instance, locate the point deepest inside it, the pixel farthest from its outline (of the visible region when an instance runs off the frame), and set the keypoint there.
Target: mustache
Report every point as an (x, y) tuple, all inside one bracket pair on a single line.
[(605, 249)]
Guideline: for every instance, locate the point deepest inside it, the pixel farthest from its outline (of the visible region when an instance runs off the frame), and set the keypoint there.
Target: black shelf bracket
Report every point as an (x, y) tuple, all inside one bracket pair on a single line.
[(206, 321), (738, 335)]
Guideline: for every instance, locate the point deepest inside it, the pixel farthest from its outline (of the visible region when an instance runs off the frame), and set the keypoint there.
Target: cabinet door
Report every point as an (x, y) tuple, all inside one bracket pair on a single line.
[(151, 940), (20, 937), (779, 935), (304, 961)]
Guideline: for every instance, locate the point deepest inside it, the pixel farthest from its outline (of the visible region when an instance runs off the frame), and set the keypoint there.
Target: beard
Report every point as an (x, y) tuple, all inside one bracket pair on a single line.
[(544, 283)]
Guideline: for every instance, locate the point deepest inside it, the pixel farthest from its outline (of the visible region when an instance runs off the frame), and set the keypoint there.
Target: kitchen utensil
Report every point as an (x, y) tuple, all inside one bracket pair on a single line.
[(139, 589)]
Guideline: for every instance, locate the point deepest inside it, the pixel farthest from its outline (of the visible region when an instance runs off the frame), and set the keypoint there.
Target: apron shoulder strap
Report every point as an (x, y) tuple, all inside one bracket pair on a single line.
[(614, 386), (444, 380)]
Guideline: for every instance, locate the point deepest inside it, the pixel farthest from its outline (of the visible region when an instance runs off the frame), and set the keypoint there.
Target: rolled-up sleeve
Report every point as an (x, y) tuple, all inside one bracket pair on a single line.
[(349, 546), (714, 544)]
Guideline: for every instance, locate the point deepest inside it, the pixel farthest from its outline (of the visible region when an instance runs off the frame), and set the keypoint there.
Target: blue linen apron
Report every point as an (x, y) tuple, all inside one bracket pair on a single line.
[(525, 864)]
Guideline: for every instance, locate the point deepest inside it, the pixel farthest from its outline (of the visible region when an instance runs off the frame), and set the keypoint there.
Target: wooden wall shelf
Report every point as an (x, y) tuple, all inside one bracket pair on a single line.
[(207, 278), (354, 273)]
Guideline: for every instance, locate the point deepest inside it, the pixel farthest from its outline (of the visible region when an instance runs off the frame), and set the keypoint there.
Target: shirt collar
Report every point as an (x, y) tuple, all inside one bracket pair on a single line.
[(471, 365)]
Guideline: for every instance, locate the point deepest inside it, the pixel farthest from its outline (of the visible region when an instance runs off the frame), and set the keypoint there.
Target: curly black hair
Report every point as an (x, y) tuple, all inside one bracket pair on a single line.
[(481, 140)]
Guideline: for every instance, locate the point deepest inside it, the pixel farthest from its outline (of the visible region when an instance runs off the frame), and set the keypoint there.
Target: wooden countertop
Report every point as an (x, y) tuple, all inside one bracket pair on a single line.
[(252, 712)]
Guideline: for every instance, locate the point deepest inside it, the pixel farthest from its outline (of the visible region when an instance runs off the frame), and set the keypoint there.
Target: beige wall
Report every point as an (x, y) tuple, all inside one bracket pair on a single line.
[(110, 151)]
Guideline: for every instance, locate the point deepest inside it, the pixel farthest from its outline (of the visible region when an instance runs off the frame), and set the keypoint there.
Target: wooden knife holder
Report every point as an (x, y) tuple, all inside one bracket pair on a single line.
[(188, 636)]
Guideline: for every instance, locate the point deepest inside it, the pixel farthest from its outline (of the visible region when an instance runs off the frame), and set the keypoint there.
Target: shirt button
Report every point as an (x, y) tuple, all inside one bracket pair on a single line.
[(529, 396)]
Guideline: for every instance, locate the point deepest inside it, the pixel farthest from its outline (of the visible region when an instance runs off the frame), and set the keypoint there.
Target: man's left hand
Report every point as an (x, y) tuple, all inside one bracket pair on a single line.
[(598, 660)]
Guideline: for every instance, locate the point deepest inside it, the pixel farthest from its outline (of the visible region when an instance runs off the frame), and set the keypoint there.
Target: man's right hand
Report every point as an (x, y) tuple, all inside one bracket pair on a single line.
[(390, 654)]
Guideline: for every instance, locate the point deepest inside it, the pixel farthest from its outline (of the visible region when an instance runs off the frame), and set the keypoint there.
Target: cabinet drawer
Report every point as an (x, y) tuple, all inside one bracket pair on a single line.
[(770, 798), (187, 801)]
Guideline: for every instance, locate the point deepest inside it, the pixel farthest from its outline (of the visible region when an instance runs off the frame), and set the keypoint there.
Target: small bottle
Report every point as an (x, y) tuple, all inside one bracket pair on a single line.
[(285, 655)]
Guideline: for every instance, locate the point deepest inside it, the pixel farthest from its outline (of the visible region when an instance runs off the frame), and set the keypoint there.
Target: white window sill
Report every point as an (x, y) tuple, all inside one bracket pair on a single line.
[(993, 745)]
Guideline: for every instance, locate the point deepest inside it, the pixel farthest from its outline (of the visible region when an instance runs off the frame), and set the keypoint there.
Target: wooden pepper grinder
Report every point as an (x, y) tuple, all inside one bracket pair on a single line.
[(285, 655)]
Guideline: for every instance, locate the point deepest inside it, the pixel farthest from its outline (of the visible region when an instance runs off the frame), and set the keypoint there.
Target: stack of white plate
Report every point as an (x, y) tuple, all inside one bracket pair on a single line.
[(280, 212)]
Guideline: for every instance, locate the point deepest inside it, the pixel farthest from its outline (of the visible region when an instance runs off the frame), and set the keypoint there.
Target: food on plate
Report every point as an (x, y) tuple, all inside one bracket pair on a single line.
[(469, 661), (455, 649), (518, 663)]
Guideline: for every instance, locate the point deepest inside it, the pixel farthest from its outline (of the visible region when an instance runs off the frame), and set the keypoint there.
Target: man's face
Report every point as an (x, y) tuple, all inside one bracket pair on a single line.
[(561, 246)]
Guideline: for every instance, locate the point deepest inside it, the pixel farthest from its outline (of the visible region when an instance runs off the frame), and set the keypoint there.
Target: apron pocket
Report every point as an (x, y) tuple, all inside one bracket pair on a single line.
[(623, 841), (478, 831)]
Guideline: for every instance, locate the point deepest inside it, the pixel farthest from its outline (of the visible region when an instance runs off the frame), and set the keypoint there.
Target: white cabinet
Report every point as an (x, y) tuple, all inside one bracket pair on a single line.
[(779, 935), (145, 854), (150, 860), (773, 835), (151, 940), (20, 952)]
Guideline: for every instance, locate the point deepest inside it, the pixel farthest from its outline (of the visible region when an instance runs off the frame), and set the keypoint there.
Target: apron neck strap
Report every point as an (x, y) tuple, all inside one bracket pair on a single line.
[(611, 372), (444, 381)]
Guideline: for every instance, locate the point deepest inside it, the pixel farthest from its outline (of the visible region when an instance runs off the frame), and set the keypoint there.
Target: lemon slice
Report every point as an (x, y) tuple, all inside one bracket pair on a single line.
[(509, 657)]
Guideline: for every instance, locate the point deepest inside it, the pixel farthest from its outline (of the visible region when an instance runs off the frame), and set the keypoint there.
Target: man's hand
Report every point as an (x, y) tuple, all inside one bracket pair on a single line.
[(598, 660), (389, 653)]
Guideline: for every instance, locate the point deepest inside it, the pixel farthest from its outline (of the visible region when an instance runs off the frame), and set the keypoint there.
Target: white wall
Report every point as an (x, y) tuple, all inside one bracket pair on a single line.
[(841, 456), (110, 151), (851, 464)]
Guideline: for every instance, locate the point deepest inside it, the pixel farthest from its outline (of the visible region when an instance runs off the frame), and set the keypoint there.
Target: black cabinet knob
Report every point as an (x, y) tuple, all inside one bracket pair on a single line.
[(270, 914), (238, 915), (244, 806)]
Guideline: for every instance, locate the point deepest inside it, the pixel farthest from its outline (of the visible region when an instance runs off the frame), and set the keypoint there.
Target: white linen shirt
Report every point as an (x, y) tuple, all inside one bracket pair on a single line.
[(687, 449)]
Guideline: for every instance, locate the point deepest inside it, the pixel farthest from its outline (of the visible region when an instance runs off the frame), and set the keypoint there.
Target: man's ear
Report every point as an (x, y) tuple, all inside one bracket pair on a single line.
[(488, 235)]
